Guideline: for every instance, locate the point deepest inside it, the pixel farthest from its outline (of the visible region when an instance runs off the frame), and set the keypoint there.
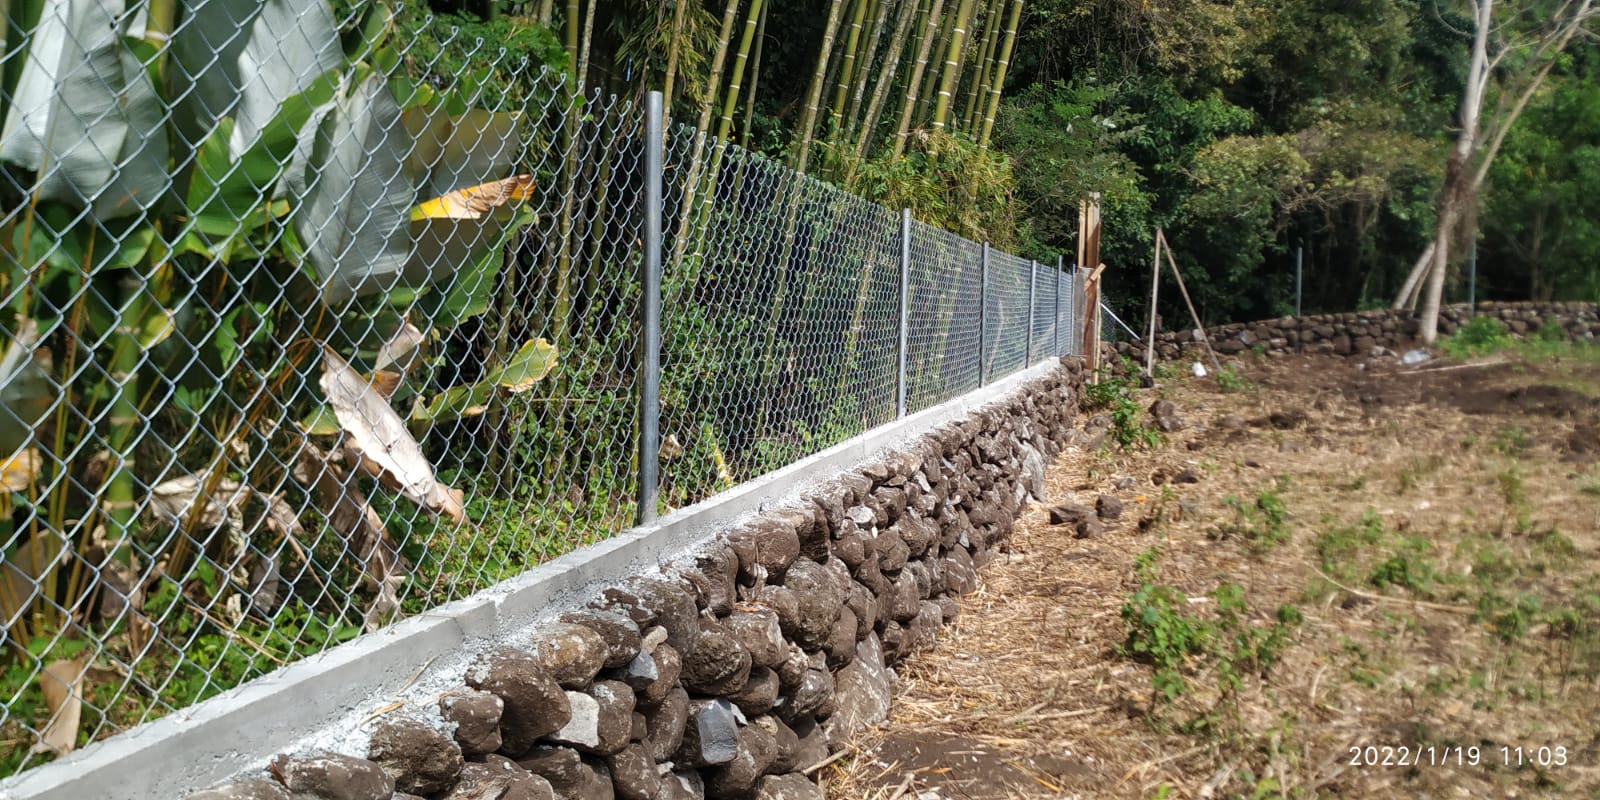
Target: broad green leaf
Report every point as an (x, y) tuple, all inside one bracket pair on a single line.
[(457, 402), (477, 248), (527, 366), (85, 114), (455, 151), (320, 422), (246, 59), (26, 391), (353, 215)]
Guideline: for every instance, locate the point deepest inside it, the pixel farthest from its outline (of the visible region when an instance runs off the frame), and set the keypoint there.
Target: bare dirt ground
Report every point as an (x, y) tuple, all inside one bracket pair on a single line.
[(1416, 553)]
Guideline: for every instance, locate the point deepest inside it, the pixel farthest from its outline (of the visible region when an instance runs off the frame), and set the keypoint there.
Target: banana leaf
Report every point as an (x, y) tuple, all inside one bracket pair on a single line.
[(26, 391), (85, 115), (354, 209), (245, 59)]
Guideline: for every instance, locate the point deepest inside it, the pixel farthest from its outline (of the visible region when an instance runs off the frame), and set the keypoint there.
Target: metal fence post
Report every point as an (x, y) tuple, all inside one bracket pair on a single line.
[(1033, 284), (905, 310), (983, 314), (650, 314), (1299, 259), (1055, 344)]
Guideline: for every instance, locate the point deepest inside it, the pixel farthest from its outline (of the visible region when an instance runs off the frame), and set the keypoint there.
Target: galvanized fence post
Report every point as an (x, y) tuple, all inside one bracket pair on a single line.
[(1055, 344), (905, 311), (1033, 284), (983, 314), (650, 314)]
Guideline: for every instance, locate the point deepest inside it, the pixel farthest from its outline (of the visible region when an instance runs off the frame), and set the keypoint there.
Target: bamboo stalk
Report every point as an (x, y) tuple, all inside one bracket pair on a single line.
[(981, 69), (848, 62), (993, 107), (880, 94), (864, 75), (952, 65), (755, 80), (808, 122), (923, 52)]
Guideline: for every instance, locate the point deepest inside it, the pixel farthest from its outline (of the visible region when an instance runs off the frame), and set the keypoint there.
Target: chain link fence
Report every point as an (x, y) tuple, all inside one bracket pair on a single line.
[(303, 330)]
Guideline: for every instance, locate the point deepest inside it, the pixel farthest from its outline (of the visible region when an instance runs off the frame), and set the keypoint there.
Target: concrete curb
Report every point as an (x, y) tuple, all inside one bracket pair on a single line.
[(328, 698)]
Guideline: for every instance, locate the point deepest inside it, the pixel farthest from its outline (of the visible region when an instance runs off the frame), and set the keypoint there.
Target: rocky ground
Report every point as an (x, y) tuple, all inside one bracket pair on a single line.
[(1339, 577)]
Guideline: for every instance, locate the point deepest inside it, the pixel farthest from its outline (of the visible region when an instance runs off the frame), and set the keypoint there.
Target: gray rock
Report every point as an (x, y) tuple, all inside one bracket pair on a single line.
[(1033, 472), (665, 724), (757, 630), (499, 778), (1108, 507), (1091, 528), (683, 785), (814, 692), (602, 718), (717, 664), (716, 577), (246, 789), (652, 675), (619, 631), (776, 543), (864, 606), (650, 601), (861, 694), (785, 742), (810, 527), (735, 779), (1069, 514), (419, 757), (842, 645), (812, 745), (633, 774), (893, 552), (561, 767), (477, 719), (818, 598), (791, 786), (759, 694), (905, 600), (711, 735), (535, 705), (333, 776), (572, 654)]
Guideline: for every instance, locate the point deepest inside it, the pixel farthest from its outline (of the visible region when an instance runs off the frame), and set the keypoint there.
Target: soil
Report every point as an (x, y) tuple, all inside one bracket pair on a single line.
[(1433, 581)]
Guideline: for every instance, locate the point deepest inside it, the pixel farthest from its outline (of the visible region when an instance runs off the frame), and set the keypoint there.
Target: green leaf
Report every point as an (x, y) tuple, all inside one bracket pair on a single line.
[(480, 246), (246, 59), (354, 210), (85, 113), (320, 422), (456, 402), (527, 366), (26, 390)]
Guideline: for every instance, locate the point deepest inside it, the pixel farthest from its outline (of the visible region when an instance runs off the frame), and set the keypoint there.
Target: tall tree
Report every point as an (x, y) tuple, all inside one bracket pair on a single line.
[(1521, 46)]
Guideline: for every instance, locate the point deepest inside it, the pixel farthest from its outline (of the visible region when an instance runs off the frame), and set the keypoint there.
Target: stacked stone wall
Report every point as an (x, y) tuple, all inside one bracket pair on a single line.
[(742, 664)]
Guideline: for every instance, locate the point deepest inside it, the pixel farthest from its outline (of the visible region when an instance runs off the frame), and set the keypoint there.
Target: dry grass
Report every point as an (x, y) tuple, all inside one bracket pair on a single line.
[(1442, 534)]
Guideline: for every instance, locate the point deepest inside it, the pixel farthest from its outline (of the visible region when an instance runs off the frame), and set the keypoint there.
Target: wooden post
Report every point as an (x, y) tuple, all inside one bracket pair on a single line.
[(1161, 239), (1150, 339), (1089, 254)]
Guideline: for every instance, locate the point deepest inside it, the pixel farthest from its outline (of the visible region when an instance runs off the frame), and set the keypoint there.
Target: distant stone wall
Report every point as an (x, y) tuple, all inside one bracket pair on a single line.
[(748, 661), (1360, 333)]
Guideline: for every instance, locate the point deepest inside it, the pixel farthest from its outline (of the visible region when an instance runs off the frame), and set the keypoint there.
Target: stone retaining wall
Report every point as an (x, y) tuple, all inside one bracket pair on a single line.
[(1359, 333), (744, 663)]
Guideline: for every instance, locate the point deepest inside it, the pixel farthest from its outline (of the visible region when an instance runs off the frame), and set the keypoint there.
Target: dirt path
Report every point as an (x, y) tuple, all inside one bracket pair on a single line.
[(1383, 582)]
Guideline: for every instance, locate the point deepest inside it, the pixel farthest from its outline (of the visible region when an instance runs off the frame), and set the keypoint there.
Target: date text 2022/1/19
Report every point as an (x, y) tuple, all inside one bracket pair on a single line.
[(1457, 756)]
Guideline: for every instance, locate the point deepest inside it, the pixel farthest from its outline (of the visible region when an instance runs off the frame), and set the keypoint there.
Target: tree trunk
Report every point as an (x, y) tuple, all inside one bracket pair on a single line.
[(808, 122), (923, 52), (702, 128), (735, 83), (999, 81), (930, 86), (952, 65)]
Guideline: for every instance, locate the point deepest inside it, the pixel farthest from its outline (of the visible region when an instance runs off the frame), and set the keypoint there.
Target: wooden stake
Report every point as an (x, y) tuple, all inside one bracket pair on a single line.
[(1161, 241), (1150, 340)]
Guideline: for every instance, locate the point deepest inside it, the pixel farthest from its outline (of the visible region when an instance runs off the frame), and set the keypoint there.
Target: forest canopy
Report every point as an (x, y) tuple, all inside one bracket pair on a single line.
[(1248, 130)]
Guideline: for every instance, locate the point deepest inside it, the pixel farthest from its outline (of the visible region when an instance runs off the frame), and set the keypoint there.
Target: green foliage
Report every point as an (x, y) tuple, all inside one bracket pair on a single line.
[(1230, 380), (1264, 523), (1164, 632), (1410, 566), (946, 181), (1114, 394), (1480, 336)]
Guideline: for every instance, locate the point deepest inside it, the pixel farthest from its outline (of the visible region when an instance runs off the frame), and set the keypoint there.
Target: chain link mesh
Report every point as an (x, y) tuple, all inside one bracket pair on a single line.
[(326, 328)]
